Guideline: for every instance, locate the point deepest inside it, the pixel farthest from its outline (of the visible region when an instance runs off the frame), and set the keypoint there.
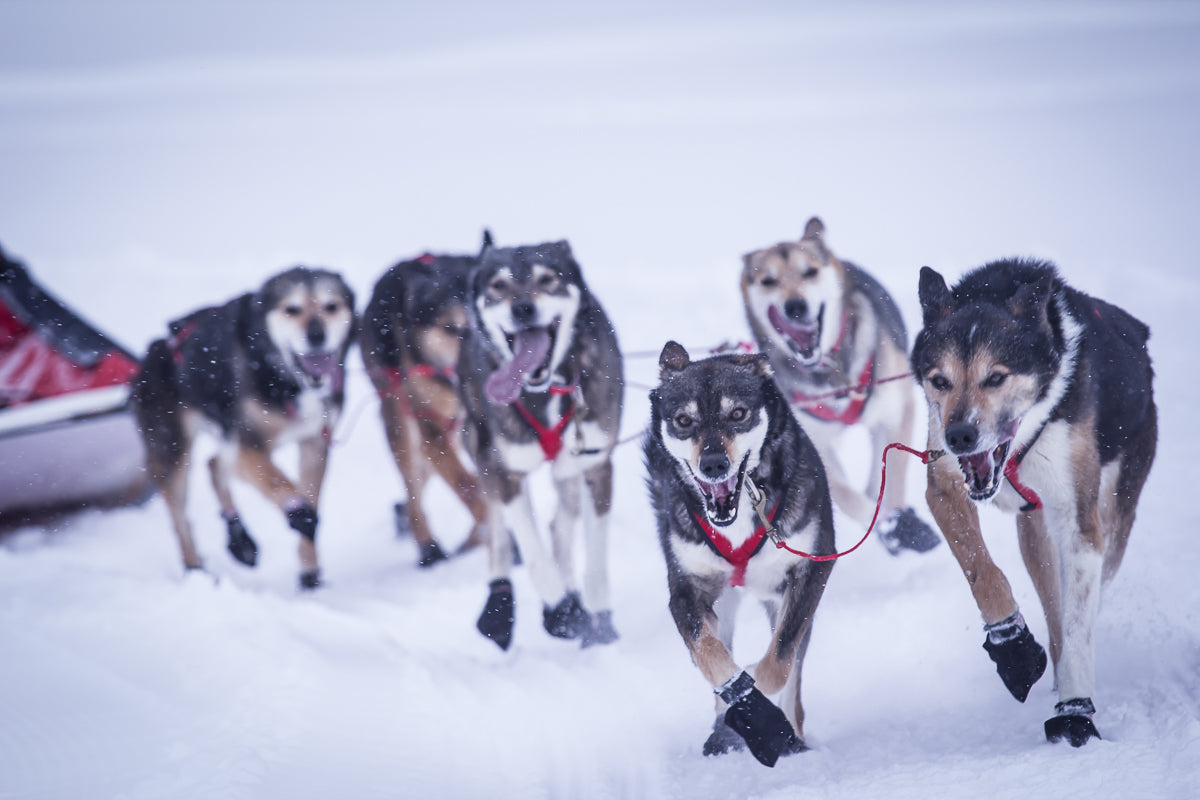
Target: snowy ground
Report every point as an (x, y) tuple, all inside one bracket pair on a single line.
[(155, 157)]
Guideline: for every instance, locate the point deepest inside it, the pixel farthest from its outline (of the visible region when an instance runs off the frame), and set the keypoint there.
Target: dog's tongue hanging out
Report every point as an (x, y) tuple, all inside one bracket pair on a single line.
[(530, 348), (318, 366)]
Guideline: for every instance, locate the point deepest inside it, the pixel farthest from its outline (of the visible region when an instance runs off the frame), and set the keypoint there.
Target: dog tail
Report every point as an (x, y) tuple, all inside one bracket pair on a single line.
[(156, 406)]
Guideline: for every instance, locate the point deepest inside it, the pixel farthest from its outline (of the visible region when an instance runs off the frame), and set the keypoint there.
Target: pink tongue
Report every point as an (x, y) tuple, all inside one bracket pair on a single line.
[(803, 334), (318, 365), (530, 348)]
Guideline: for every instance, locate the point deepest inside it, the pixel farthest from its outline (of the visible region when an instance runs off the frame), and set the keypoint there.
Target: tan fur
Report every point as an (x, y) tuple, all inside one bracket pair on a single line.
[(421, 419)]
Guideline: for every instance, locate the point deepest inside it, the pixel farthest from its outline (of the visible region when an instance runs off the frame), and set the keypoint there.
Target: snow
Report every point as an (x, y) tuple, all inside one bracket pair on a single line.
[(157, 157)]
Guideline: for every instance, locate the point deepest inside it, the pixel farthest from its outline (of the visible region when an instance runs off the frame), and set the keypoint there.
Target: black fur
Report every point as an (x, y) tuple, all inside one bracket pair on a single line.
[(1112, 372)]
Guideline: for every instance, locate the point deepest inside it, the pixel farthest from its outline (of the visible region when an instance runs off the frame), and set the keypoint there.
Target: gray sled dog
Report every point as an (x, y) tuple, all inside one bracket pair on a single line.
[(542, 384), (839, 350), (1041, 397), (265, 369), (722, 441)]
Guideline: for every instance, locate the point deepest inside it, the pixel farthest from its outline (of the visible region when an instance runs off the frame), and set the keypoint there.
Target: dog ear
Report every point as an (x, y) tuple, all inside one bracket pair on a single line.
[(814, 229), (936, 300), (757, 361), (674, 358), (487, 241), (1029, 302)]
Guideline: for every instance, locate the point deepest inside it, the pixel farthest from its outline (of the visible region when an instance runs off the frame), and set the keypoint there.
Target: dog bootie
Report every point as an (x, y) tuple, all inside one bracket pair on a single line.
[(567, 619), (496, 621), (1020, 660), (240, 545), (904, 530), (600, 630), (760, 723), (310, 579), (430, 554), (1073, 722), (723, 739)]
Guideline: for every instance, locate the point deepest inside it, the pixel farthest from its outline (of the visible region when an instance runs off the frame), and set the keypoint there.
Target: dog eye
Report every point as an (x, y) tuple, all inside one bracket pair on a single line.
[(939, 382), (331, 308), (994, 380), (809, 273), (293, 311), (498, 285), (547, 280), (683, 421), (738, 414), (770, 281)]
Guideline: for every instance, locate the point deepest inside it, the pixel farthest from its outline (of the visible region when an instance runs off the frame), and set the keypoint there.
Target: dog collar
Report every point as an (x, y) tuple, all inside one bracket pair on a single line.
[(738, 556)]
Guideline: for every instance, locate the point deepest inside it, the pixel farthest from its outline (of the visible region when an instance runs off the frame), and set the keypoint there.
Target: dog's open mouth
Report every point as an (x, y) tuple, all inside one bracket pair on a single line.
[(804, 338), (318, 367), (529, 368), (983, 470), (721, 498)]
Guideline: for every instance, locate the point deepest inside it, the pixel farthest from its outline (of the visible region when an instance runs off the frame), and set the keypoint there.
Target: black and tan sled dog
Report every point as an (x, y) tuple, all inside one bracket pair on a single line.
[(263, 370), (1041, 398), (412, 331), (542, 385), (722, 440), (839, 349)]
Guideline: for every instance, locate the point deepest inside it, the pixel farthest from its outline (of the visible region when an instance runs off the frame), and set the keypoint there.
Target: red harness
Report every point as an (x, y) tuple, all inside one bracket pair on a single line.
[(738, 556), (550, 437), (395, 388), (813, 405), (1032, 501)]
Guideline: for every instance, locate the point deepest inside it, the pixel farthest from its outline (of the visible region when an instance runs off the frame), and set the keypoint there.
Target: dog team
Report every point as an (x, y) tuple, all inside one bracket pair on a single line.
[(490, 367)]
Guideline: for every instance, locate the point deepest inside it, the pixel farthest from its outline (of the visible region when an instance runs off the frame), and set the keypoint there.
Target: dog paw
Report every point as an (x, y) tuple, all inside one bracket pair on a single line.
[(496, 621), (567, 619), (400, 519), (763, 726), (723, 739), (310, 579), (430, 553), (240, 545), (600, 630), (1019, 659), (1073, 722), (904, 530), (303, 520)]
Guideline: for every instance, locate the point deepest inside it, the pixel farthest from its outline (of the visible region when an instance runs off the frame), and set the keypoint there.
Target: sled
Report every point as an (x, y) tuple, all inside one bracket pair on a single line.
[(67, 436)]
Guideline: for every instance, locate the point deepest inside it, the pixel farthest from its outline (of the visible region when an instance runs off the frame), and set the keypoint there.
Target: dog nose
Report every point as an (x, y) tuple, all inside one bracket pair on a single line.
[(796, 308), (315, 333), (524, 312), (714, 465), (962, 437)]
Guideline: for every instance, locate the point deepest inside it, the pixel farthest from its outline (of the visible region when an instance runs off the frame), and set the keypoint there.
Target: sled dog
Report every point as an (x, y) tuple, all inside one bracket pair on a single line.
[(838, 346), (1041, 398), (412, 331), (541, 381), (263, 370), (721, 437)]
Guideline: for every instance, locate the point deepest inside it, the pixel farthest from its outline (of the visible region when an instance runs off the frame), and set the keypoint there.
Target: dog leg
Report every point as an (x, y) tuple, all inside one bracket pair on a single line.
[(174, 487), (898, 527), (596, 592), (958, 518), (254, 465), (1119, 506), (789, 701), (238, 540), (404, 440), (448, 464), (1081, 558), (1041, 559)]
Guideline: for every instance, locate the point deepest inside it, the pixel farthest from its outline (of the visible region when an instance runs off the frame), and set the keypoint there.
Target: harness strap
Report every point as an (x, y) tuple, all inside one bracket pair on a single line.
[(813, 406), (738, 556), (550, 438)]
